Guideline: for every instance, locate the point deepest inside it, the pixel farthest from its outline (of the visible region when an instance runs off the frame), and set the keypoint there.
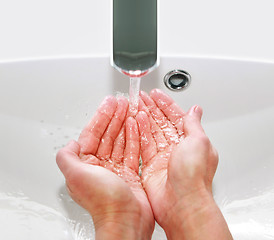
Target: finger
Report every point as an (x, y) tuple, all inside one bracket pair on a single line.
[(113, 129), (148, 145), (156, 131), (117, 154), (91, 135), (192, 122), (171, 110), (132, 148), (67, 158), (165, 125)]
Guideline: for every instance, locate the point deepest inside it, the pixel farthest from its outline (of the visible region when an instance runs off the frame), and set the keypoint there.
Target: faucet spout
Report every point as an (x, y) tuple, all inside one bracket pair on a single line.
[(135, 36)]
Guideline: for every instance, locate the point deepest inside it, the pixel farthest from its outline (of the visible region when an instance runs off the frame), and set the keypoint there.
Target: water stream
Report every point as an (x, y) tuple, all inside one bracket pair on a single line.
[(134, 89)]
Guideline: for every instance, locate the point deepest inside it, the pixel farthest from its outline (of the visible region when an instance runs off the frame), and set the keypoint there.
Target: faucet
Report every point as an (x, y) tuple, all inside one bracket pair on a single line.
[(135, 36)]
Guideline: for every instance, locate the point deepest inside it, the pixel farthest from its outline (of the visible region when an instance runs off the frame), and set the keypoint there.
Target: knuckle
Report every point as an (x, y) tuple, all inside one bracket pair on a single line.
[(204, 140), (215, 155), (61, 154)]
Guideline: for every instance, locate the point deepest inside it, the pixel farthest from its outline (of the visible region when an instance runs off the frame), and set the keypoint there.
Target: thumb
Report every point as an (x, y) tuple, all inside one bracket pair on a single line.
[(192, 121), (67, 157)]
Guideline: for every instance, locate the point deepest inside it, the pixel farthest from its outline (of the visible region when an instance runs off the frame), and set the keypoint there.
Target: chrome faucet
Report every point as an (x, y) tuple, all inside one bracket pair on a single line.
[(135, 36)]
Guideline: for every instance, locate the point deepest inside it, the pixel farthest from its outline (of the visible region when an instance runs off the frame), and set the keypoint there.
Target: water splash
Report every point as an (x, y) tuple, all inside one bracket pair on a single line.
[(80, 221), (22, 218), (251, 218)]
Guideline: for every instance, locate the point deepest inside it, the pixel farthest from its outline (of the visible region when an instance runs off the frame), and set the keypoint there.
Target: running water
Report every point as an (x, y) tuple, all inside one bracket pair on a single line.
[(134, 90)]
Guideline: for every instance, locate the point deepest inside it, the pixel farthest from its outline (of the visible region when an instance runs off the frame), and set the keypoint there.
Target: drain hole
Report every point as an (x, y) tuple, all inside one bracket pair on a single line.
[(177, 80)]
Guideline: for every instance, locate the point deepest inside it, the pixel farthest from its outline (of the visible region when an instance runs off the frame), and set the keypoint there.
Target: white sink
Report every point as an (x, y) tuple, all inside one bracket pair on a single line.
[(45, 103)]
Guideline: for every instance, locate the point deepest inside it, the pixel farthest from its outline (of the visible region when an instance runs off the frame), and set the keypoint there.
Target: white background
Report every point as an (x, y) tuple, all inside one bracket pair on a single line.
[(54, 28)]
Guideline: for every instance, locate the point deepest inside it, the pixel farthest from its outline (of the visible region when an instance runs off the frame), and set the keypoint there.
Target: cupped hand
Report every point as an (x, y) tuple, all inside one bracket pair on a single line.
[(102, 173), (179, 164)]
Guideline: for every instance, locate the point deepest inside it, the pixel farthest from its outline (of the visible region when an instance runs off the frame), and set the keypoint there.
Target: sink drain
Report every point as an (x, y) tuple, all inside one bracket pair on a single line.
[(177, 80)]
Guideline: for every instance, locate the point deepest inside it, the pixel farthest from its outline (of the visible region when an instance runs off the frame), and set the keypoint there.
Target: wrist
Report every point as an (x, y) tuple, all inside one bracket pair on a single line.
[(196, 216), (113, 230), (121, 226)]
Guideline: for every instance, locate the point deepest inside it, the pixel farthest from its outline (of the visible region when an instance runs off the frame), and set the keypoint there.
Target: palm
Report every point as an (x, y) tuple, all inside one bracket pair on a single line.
[(106, 188), (113, 184), (110, 163), (161, 128)]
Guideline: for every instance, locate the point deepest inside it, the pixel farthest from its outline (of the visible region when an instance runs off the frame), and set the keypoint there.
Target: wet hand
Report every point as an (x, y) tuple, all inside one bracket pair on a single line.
[(179, 164), (101, 172)]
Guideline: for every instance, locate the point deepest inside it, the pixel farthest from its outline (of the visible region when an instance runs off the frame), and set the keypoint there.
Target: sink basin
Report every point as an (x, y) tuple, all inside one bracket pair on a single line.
[(45, 103)]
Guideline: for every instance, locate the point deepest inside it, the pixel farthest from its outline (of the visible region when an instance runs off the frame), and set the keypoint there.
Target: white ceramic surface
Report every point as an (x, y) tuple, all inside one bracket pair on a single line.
[(45, 103), (232, 28)]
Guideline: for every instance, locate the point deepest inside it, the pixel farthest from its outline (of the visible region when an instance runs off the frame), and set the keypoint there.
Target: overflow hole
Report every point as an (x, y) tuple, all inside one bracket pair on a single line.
[(177, 80)]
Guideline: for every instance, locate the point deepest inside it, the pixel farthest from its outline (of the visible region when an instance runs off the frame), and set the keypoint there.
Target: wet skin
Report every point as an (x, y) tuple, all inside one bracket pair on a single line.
[(179, 164), (102, 173), (175, 187)]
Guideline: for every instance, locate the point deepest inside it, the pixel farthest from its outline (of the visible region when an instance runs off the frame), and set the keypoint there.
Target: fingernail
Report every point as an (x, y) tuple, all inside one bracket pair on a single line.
[(198, 111), (196, 108), (192, 110)]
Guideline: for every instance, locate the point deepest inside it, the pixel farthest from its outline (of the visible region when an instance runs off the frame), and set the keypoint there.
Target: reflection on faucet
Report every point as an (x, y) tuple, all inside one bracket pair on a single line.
[(135, 36)]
